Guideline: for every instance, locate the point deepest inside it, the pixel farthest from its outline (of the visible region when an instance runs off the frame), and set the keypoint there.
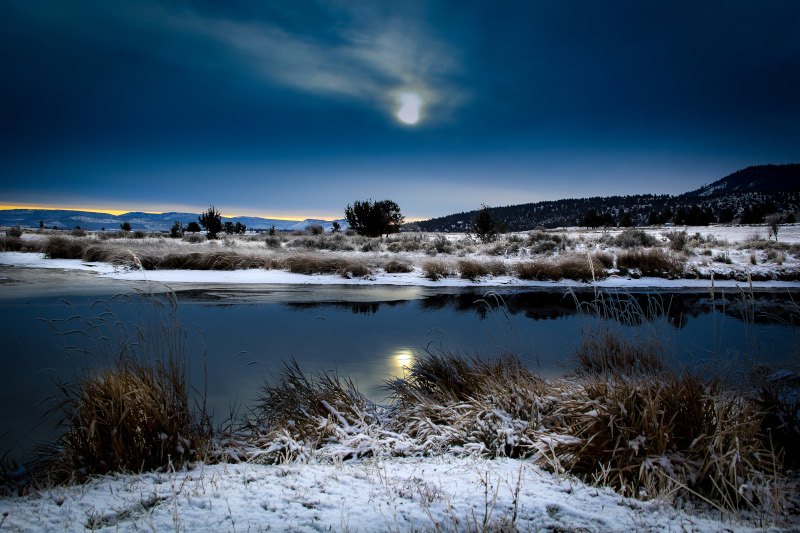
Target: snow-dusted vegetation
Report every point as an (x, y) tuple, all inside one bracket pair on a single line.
[(618, 256), (622, 439)]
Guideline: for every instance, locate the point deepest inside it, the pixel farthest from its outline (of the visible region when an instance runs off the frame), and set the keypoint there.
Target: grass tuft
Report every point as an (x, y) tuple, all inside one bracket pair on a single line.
[(653, 262), (296, 414), (568, 267), (129, 410), (435, 270)]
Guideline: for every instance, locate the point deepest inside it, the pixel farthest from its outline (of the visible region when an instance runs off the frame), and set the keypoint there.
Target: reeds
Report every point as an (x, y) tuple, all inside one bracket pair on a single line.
[(473, 270), (435, 270), (128, 408), (571, 267), (296, 414), (651, 262)]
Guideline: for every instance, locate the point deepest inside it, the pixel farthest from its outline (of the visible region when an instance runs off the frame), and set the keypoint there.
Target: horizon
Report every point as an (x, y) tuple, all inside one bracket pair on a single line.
[(286, 109)]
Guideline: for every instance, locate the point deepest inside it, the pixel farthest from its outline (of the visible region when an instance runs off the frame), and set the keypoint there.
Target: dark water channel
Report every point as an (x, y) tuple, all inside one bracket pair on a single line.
[(241, 335)]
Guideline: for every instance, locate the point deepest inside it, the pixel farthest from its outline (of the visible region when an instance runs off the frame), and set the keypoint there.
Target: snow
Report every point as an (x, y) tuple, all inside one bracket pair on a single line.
[(444, 493), (415, 278)]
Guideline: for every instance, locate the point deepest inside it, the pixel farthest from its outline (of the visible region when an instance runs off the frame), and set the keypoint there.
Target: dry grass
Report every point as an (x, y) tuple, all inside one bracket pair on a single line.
[(397, 267), (605, 259), (296, 414), (450, 402), (128, 408), (435, 270), (568, 267), (634, 238), (313, 264), (62, 247), (12, 244), (473, 270), (649, 436), (652, 262)]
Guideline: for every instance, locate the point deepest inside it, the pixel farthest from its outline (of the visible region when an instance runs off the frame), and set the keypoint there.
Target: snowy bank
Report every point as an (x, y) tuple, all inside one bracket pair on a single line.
[(442, 493), (258, 276)]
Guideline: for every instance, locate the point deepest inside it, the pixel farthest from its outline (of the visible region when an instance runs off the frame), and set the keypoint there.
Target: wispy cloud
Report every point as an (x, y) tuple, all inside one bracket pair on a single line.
[(374, 58)]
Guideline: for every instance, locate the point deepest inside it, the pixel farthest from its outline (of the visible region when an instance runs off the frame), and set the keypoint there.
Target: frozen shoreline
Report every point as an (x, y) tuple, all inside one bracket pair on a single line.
[(415, 278)]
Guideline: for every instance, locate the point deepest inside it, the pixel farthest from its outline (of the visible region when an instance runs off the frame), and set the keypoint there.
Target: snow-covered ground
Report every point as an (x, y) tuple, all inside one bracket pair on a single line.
[(441, 493), (415, 278)]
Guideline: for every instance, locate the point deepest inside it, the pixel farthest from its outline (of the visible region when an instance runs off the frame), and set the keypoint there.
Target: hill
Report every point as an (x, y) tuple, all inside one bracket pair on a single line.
[(760, 178), (746, 195), (65, 219)]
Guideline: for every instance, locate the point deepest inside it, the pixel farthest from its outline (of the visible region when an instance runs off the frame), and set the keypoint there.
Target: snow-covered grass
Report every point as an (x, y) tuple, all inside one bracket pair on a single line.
[(468, 443), (672, 257)]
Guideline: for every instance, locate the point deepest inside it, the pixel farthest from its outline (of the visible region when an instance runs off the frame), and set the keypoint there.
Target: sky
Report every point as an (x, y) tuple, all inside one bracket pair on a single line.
[(294, 109)]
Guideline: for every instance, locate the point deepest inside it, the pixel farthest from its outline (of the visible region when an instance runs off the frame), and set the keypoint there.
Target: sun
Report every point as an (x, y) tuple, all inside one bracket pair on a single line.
[(408, 113)]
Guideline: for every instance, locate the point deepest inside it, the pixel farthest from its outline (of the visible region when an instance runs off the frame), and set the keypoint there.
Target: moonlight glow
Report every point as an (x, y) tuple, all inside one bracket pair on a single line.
[(409, 108)]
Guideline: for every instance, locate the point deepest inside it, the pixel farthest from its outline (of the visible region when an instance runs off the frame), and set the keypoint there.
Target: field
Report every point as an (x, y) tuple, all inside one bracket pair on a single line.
[(622, 440), (686, 256)]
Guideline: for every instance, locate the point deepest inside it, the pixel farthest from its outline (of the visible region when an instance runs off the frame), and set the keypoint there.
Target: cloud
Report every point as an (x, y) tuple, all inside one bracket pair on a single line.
[(372, 58)]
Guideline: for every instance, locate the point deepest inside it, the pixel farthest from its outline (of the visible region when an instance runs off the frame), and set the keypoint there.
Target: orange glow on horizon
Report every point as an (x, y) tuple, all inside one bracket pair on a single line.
[(117, 212)]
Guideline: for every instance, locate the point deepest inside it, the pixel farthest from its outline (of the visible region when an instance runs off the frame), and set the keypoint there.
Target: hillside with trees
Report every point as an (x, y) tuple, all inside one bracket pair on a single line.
[(746, 196)]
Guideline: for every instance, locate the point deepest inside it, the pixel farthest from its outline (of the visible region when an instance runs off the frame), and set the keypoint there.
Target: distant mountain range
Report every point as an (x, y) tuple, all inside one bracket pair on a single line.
[(754, 190), (64, 219), (759, 189)]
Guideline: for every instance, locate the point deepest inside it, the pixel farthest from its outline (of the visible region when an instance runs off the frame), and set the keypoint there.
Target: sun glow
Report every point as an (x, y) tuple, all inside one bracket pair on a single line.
[(410, 104)]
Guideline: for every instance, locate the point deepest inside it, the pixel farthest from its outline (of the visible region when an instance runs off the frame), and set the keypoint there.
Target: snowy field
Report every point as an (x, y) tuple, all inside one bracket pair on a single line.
[(732, 254), (432, 494)]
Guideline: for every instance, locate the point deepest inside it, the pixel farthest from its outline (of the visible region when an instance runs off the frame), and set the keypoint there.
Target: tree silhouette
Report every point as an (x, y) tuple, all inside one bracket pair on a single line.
[(211, 221), (484, 226), (373, 219)]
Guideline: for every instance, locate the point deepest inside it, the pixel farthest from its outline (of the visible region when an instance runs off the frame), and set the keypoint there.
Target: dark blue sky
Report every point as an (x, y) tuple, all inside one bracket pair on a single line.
[(289, 108)]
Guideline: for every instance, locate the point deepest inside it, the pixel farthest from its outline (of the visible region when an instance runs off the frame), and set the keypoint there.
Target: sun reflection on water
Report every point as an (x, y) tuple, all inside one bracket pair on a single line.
[(400, 359)]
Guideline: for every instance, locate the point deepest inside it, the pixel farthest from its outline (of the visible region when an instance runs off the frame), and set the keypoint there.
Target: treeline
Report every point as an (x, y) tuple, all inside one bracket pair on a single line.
[(637, 210)]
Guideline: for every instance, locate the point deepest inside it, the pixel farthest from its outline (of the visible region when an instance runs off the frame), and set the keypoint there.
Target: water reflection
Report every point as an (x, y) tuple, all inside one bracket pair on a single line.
[(240, 342)]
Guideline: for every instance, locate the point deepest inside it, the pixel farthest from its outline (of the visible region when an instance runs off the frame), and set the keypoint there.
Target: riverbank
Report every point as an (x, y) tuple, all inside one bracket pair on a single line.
[(443, 493)]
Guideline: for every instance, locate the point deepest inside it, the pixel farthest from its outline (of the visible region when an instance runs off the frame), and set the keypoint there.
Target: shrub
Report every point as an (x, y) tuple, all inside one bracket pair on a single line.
[(315, 229), (14, 231), (543, 247), (273, 241), (441, 245), (471, 269), (125, 226), (653, 262), (604, 258), (371, 245), (677, 240), (435, 270), (634, 238), (397, 267), (11, 244), (411, 246), (78, 232), (194, 238), (60, 247), (723, 257)]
